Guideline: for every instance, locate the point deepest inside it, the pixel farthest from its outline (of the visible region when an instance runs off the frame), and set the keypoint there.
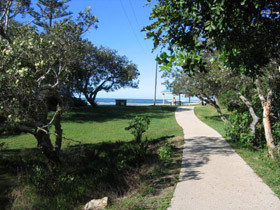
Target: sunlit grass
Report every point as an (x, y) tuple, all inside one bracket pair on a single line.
[(103, 124)]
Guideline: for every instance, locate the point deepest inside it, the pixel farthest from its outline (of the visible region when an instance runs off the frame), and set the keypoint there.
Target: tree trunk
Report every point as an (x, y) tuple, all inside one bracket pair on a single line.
[(45, 144), (216, 106), (267, 129), (222, 116), (58, 129), (90, 101), (266, 105), (138, 138), (252, 113)]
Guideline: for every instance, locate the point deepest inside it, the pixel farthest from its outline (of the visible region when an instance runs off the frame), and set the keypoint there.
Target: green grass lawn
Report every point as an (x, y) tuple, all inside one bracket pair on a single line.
[(266, 168), (103, 124), (104, 162)]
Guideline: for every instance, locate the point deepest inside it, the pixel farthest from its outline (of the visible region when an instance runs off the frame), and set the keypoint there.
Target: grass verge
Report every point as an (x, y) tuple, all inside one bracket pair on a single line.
[(264, 167), (106, 162)]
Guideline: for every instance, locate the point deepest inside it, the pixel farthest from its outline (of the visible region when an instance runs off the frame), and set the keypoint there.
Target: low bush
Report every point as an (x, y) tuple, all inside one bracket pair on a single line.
[(238, 130), (138, 126), (165, 152)]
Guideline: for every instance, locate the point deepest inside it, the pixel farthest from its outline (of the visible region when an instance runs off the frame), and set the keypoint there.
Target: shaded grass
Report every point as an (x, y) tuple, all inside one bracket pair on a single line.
[(157, 182), (105, 163), (131, 175), (105, 123), (266, 168)]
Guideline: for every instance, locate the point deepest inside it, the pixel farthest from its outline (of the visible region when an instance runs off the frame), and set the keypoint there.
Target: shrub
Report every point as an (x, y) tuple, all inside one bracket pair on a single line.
[(165, 152), (276, 132), (238, 129), (138, 126)]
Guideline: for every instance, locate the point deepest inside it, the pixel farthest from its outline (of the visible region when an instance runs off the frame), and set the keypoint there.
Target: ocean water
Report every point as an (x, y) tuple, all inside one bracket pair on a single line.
[(143, 101)]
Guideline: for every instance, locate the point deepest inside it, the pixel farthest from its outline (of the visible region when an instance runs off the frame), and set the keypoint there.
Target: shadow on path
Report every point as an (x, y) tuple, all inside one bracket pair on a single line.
[(197, 152), (182, 109)]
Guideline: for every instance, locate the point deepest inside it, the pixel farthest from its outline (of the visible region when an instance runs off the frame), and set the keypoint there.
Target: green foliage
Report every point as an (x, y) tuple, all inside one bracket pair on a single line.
[(236, 29), (50, 11), (237, 130), (50, 182), (138, 126), (165, 152), (103, 69), (37, 66), (276, 132)]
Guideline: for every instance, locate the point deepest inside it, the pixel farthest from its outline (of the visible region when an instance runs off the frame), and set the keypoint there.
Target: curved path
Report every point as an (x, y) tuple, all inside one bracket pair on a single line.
[(213, 176)]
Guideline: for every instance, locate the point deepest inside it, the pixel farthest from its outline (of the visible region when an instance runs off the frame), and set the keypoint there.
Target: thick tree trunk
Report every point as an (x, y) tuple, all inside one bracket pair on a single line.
[(252, 113), (45, 144), (267, 129), (266, 105)]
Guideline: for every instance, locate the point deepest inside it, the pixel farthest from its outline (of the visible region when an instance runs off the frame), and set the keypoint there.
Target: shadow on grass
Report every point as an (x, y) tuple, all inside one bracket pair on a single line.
[(215, 118), (89, 170), (106, 113)]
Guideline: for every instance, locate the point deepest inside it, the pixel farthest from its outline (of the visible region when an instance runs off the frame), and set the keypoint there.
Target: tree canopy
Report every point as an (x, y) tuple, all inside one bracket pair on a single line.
[(103, 69), (244, 35), (245, 32)]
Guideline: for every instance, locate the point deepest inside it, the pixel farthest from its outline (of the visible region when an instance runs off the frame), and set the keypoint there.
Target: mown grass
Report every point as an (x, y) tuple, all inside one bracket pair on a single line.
[(266, 168), (103, 124), (106, 162)]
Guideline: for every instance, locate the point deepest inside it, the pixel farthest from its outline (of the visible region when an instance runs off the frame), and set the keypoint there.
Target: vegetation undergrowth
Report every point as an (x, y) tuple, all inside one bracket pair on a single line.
[(133, 175), (266, 168)]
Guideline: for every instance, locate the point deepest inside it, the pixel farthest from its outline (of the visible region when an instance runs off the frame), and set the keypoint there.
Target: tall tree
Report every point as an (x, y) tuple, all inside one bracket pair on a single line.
[(9, 9), (36, 66), (49, 11), (103, 69), (245, 32)]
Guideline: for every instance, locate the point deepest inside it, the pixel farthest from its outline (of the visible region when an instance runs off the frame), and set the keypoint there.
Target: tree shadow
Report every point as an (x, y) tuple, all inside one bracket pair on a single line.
[(107, 113), (216, 117), (104, 166), (197, 152), (182, 109)]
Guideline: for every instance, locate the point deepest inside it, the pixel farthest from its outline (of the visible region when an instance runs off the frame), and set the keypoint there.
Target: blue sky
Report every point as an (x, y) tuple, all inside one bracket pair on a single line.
[(119, 27)]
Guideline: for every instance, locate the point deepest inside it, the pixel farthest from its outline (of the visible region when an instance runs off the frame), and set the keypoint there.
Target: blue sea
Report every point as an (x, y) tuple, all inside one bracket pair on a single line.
[(132, 101)]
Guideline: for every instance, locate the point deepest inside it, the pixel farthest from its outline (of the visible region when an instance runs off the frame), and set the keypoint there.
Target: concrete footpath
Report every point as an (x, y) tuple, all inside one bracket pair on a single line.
[(213, 176)]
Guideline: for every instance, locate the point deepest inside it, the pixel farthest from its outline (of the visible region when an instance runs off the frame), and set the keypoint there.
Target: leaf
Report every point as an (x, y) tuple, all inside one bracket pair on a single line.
[(243, 2)]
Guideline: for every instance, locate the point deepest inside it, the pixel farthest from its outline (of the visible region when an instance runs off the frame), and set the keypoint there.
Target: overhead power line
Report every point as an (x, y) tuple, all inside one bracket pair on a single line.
[(131, 26), (134, 14)]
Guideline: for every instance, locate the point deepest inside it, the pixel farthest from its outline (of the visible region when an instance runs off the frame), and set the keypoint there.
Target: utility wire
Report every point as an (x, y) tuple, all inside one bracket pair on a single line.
[(136, 19), (131, 26), (133, 11)]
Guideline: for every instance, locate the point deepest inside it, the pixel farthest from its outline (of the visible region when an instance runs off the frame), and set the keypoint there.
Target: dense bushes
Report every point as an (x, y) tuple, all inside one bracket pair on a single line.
[(239, 131)]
